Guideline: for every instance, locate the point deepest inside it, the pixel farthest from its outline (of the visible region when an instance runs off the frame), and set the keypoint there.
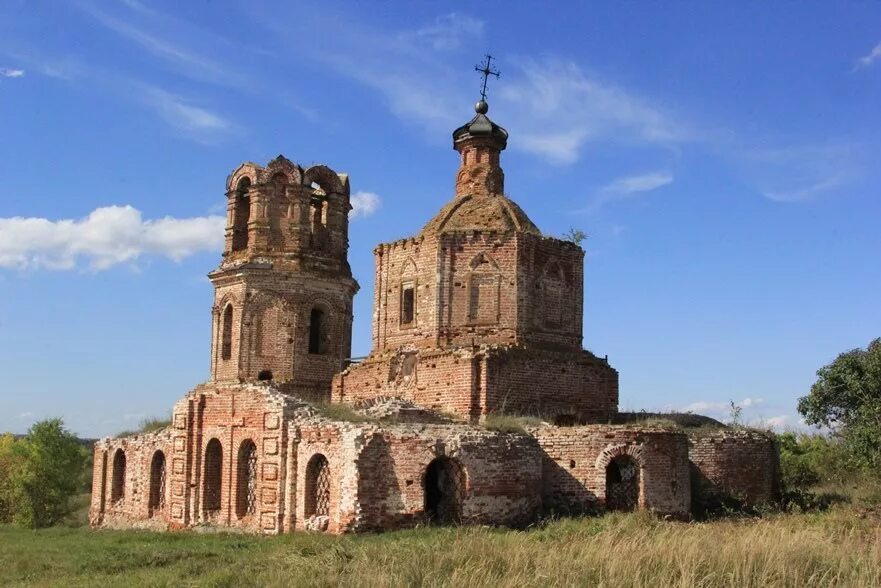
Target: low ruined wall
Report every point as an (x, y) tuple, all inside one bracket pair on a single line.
[(742, 464), (574, 471), (120, 495), (502, 475)]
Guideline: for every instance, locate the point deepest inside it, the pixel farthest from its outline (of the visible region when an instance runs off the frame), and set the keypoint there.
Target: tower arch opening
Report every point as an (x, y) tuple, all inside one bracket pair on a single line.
[(241, 215)]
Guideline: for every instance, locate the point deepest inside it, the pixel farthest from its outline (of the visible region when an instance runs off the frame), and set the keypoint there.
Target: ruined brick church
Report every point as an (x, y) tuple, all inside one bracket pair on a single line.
[(479, 314)]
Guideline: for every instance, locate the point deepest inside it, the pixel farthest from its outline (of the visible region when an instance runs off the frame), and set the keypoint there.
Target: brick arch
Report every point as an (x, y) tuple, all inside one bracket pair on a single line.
[(409, 267), (483, 257), (292, 172), (324, 177), (246, 170), (612, 451), (553, 268), (228, 298)]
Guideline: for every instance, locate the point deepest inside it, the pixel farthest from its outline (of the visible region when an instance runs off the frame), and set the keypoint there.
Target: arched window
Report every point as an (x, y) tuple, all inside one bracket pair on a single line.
[(117, 482), (241, 215), (317, 499), (622, 484), (246, 484), (156, 502), (213, 477), (553, 301), (483, 290), (317, 332), (444, 491), (226, 337)]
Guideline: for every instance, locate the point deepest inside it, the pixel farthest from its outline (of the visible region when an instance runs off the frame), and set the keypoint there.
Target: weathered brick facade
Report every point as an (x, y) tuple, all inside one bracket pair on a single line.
[(477, 315)]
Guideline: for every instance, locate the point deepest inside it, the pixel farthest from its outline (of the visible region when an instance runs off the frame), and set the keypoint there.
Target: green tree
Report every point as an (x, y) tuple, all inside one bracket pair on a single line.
[(574, 235), (7, 463), (847, 399), (46, 472)]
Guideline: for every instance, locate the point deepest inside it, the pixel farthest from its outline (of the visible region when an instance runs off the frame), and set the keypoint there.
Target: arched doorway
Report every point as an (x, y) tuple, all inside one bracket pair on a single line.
[(156, 502), (212, 478), (117, 481), (246, 486), (444, 491), (622, 484), (317, 499)]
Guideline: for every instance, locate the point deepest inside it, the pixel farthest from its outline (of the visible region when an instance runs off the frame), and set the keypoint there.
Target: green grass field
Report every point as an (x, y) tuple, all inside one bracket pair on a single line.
[(841, 547)]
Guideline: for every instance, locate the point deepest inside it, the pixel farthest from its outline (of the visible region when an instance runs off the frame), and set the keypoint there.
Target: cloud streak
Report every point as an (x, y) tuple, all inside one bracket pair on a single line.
[(628, 187), (870, 58), (7, 72), (108, 236)]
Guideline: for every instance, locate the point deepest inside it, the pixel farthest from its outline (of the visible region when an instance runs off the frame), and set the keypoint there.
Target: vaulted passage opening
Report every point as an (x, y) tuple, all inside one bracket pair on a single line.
[(444, 491), (317, 499), (156, 502), (213, 477), (246, 486), (117, 481), (622, 484), (241, 214)]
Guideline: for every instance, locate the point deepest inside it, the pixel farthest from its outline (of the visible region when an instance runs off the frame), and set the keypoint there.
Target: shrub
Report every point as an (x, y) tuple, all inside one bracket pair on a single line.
[(40, 475)]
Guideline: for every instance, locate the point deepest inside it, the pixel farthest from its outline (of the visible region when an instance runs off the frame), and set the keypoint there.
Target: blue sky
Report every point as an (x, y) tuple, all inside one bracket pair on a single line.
[(723, 158)]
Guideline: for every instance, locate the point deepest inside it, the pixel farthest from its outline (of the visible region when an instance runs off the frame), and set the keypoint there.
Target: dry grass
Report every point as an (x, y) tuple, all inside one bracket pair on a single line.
[(837, 548)]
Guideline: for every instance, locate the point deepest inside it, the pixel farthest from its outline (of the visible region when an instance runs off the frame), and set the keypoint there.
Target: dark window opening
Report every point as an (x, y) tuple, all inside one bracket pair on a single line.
[(317, 343), (117, 483), (622, 484), (564, 420), (264, 375), (317, 487), (157, 484), (246, 488), (213, 477), (444, 491), (226, 337), (241, 215), (408, 305)]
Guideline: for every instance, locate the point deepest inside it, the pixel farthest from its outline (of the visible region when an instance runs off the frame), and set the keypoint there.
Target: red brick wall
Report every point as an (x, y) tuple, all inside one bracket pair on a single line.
[(744, 464), (474, 382), (574, 471), (546, 384), (502, 475)]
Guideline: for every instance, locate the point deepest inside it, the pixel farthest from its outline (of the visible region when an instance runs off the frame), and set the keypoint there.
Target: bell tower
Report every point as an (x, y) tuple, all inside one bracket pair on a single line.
[(283, 291)]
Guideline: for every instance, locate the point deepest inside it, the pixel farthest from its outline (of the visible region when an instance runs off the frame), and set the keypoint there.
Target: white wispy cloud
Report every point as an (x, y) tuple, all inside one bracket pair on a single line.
[(556, 107), (364, 204), (448, 32), (186, 60), (195, 121), (870, 58), (800, 173), (628, 187), (108, 236), (7, 72)]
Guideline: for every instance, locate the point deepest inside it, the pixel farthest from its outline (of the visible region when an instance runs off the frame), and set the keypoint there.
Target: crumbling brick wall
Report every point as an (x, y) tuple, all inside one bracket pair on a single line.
[(574, 470), (502, 474), (742, 464)]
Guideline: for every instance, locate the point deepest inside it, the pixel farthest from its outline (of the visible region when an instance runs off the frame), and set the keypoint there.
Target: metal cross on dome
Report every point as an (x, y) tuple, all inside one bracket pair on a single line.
[(486, 69)]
